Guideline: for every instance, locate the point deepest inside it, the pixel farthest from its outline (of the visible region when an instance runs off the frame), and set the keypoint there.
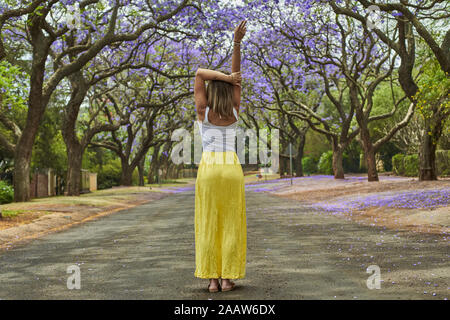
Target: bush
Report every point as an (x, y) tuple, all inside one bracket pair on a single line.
[(309, 165), (325, 164), (135, 177), (411, 165), (443, 162), (6, 193), (405, 165), (397, 164), (109, 174)]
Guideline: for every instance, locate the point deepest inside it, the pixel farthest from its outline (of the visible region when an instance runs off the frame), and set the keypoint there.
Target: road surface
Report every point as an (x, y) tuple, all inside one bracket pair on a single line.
[(293, 252)]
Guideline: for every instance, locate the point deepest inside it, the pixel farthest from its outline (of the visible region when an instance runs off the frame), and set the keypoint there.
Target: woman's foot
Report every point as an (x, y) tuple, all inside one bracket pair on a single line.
[(213, 285), (227, 285)]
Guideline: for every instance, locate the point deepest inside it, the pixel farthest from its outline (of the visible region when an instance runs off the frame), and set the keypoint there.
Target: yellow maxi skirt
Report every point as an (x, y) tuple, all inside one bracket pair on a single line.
[(220, 217)]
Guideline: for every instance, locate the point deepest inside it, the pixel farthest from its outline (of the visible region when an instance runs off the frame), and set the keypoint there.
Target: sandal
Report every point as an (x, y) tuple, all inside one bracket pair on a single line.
[(215, 289), (229, 288)]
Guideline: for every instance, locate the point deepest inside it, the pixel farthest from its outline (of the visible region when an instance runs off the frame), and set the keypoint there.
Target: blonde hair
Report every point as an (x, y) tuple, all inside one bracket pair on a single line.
[(219, 95)]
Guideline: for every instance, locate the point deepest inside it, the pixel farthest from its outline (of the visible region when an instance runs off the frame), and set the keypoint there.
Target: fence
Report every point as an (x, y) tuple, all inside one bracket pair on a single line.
[(46, 183)]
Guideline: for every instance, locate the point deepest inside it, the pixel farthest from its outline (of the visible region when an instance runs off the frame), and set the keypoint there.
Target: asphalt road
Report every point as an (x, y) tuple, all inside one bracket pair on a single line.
[(293, 253)]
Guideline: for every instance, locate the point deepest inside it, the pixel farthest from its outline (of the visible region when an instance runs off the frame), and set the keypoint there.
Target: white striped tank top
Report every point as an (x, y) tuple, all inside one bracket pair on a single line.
[(218, 138)]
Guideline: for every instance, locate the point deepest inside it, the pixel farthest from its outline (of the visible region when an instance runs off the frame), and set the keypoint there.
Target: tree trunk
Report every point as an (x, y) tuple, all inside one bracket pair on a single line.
[(338, 168), (369, 153), (151, 175), (284, 161), (21, 179), (427, 157), (74, 161), (152, 170), (36, 108), (75, 148), (300, 147), (126, 178), (24, 147), (372, 174), (283, 165), (141, 172)]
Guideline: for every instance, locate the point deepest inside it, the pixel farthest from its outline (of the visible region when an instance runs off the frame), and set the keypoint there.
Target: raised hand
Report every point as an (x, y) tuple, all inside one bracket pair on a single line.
[(236, 78), (239, 32)]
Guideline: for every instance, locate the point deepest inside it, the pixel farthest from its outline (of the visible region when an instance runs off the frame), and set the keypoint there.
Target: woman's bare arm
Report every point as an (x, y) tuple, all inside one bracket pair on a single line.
[(203, 75), (239, 33)]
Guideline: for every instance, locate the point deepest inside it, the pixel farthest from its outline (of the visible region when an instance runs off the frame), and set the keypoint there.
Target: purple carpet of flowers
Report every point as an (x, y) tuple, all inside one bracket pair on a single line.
[(416, 199), (276, 184), (411, 199)]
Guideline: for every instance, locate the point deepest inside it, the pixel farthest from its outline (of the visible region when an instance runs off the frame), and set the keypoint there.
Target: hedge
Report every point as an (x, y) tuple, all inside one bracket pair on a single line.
[(405, 165), (325, 164), (6, 193), (443, 162), (109, 174), (397, 164), (309, 165), (409, 165)]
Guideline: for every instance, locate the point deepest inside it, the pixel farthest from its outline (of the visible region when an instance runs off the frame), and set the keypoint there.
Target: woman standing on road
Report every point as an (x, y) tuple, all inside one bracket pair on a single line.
[(220, 216)]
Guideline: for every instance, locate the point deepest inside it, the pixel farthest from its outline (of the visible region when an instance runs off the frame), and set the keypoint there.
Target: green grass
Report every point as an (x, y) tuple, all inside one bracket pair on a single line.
[(99, 198), (116, 192), (15, 213), (171, 183), (11, 213)]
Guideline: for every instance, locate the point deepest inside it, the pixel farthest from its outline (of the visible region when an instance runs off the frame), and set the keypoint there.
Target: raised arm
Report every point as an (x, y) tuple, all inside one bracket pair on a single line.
[(239, 33), (203, 75)]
